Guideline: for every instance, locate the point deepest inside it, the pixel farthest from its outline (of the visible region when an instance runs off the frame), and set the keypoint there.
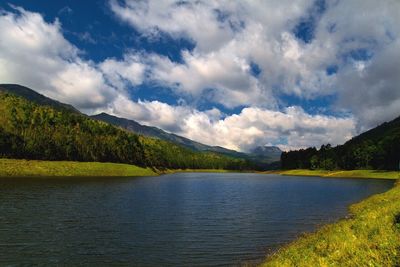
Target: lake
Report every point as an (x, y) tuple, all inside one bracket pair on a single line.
[(184, 219)]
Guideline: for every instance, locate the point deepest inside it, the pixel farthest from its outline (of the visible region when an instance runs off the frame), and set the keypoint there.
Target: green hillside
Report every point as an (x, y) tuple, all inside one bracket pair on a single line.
[(378, 148), (48, 131)]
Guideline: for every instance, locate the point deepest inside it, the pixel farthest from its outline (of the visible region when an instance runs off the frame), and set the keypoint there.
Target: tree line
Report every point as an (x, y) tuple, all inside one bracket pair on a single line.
[(378, 149), (32, 131)]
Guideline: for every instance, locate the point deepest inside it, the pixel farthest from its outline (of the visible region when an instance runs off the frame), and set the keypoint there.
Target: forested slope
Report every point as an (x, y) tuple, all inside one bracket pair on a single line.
[(378, 148), (32, 131)]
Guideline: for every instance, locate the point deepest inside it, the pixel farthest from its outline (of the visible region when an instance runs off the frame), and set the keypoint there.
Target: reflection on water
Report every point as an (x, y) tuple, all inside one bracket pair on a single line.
[(186, 219)]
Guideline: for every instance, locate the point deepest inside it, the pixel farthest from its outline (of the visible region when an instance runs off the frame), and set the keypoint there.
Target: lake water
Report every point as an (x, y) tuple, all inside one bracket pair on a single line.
[(186, 219)]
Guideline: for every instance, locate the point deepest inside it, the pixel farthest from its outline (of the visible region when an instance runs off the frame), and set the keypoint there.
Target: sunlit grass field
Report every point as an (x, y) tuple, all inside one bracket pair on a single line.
[(22, 168)]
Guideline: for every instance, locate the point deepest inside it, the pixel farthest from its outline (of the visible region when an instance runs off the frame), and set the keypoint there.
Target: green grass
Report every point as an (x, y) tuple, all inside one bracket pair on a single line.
[(370, 237), (353, 173), (22, 168)]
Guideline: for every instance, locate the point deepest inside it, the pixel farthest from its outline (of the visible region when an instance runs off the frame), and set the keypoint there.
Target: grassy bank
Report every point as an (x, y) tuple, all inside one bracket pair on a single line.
[(23, 168), (370, 237), (350, 174), (19, 167)]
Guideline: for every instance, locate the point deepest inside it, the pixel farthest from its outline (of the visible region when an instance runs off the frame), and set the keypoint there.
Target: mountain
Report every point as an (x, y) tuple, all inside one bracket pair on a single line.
[(267, 151), (155, 132), (272, 153), (33, 126), (377, 148), (261, 156), (35, 97)]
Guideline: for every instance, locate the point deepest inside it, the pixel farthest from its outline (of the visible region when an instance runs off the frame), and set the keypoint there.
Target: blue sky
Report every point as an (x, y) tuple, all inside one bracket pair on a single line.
[(233, 73)]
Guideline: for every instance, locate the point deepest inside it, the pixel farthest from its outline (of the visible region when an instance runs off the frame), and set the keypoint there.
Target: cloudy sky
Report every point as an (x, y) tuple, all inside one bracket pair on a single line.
[(232, 73)]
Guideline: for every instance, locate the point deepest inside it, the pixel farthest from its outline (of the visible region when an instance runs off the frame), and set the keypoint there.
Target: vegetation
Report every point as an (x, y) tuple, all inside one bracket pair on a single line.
[(377, 174), (370, 237), (32, 131), (16, 167), (375, 149)]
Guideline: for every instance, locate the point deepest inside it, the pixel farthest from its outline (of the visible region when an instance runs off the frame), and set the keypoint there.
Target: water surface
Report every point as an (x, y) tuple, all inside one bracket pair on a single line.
[(186, 219)]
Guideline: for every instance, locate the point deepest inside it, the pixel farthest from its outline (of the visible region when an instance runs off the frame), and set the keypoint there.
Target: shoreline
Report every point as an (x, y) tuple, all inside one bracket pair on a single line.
[(41, 168), (366, 174), (368, 236), (23, 168)]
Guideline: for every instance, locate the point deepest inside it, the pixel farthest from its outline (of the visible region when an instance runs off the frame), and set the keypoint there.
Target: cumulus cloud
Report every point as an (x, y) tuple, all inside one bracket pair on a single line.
[(372, 91), (230, 36), (126, 72), (216, 78), (292, 128), (367, 40), (35, 53), (197, 21), (289, 129), (358, 40)]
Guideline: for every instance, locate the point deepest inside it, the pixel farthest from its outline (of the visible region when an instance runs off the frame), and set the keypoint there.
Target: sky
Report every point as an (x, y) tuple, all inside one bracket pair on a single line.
[(237, 74)]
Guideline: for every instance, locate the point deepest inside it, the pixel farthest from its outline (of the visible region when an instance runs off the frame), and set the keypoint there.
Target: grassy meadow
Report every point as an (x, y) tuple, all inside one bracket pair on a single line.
[(27, 168), (22, 168)]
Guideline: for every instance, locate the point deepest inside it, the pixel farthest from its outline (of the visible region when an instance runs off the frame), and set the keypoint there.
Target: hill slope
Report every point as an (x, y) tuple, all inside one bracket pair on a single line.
[(35, 97), (378, 148), (43, 131)]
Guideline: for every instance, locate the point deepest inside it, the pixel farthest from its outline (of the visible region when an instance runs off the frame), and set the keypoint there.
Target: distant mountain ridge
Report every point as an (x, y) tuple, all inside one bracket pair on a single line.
[(266, 150), (271, 153)]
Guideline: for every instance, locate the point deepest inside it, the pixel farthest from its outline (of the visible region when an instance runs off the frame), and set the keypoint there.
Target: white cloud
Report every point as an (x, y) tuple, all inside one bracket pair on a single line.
[(218, 77), (373, 92), (195, 20), (120, 72), (36, 54), (152, 113), (290, 129), (368, 86), (230, 35)]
